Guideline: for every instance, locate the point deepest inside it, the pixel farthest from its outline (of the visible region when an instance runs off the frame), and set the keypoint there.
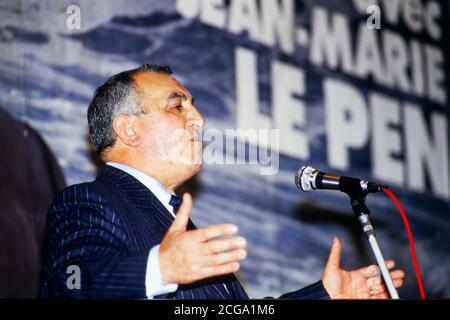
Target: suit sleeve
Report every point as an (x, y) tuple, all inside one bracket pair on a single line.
[(87, 252), (315, 291)]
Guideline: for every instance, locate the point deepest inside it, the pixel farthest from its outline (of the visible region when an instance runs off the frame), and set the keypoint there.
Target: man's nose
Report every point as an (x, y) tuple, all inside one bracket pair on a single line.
[(196, 119)]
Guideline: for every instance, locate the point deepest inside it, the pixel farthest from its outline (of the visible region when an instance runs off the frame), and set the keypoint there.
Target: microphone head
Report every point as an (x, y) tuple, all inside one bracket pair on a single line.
[(305, 178)]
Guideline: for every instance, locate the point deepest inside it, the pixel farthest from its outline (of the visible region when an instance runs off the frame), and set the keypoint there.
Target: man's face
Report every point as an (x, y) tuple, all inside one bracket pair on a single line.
[(170, 124)]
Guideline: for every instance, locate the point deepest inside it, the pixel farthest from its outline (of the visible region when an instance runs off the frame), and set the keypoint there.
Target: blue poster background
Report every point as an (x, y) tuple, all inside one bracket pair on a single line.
[(47, 77)]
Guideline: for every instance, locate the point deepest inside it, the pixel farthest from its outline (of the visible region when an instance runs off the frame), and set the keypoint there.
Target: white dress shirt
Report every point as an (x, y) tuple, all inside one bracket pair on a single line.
[(153, 279)]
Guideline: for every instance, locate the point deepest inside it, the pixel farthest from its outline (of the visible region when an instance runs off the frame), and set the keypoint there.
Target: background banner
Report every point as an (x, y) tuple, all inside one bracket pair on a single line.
[(356, 88)]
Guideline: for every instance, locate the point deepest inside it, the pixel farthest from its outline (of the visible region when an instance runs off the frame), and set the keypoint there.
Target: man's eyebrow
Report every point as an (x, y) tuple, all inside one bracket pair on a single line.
[(176, 94)]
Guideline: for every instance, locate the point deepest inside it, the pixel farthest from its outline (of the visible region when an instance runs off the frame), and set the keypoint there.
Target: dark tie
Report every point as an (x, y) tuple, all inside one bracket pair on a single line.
[(175, 203)]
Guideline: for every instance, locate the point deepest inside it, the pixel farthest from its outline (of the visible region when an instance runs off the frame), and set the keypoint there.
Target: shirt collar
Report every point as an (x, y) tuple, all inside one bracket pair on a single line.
[(151, 183)]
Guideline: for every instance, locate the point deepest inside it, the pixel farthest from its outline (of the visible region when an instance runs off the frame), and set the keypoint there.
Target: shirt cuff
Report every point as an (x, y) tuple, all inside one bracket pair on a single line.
[(153, 279)]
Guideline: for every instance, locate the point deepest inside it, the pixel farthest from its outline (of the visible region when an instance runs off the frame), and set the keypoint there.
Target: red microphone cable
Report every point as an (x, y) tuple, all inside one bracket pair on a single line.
[(410, 238)]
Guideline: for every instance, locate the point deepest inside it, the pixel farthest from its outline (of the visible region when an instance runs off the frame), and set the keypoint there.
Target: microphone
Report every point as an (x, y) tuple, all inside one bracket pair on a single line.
[(309, 179)]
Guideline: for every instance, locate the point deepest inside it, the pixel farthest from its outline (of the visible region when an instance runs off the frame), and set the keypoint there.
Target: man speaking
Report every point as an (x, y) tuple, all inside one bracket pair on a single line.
[(127, 235)]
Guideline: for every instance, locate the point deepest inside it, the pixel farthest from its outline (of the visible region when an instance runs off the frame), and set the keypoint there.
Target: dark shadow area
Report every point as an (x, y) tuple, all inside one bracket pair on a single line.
[(29, 181), (310, 213), (192, 186)]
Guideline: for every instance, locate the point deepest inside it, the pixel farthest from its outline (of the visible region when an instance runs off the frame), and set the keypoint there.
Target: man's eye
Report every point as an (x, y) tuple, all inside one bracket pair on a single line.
[(179, 107)]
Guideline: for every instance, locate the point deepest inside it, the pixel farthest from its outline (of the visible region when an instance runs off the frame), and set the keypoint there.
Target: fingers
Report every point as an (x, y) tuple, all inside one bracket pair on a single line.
[(220, 270), (334, 258), (208, 233), (398, 283), (373, 281), (374, 270), (371, 271), (226, 257), (390, 264), (397, 274), (383, 295), (378, 289), (188, 256), (215, 246), (182, 218)]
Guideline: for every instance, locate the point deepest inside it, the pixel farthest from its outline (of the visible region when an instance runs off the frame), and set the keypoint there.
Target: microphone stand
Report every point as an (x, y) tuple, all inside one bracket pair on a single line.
[(358, 202)]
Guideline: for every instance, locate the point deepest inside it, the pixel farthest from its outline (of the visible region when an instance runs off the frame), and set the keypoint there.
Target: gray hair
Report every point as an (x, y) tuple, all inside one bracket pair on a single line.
[(118, 95)]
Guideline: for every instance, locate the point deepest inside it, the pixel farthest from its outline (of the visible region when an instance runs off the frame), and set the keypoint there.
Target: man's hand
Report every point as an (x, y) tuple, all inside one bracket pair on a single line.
[(364, 283), (188, 256)]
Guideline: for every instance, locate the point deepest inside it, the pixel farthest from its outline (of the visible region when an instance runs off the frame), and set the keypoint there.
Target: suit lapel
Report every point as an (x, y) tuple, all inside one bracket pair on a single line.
[(139, 195), (154, 211)]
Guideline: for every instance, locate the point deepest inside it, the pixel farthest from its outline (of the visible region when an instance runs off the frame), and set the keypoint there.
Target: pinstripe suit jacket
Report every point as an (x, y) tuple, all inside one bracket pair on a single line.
[(107, 228)]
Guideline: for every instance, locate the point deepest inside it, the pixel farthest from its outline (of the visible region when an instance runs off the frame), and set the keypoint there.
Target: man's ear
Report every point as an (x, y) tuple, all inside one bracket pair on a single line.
[(123, 126)]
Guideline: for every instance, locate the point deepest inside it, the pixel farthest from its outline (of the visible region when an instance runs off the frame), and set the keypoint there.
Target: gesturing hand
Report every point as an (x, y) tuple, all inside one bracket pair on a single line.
[(364, 283), (188, 256)]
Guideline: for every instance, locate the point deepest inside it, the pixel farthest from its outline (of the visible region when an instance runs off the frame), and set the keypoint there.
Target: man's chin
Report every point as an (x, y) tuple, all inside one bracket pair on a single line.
[(199, 166), (192, 165), (187, 170), (195, 166)]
